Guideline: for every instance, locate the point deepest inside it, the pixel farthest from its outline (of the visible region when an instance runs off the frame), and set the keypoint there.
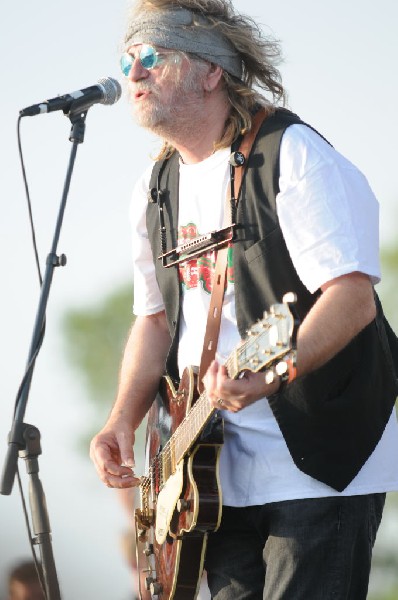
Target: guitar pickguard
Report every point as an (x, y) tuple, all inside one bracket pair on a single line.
[(166, 503)]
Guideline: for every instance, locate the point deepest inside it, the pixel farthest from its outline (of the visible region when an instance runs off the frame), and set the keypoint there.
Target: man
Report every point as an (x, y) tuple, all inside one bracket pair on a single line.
[(305, 462)]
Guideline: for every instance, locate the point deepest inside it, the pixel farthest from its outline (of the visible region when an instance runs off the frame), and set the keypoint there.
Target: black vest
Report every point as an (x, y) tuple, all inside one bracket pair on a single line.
[(333, 418)]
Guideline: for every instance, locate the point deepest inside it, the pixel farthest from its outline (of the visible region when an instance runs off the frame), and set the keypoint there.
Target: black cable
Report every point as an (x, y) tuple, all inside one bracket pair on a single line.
[(32, 227), (32, 361), (31, 364)]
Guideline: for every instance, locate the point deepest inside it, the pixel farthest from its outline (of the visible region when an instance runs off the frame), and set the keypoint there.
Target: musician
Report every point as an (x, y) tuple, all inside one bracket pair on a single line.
[(308, 455)]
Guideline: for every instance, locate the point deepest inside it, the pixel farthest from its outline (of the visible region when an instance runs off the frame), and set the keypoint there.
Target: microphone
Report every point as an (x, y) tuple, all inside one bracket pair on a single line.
[(106, 91)]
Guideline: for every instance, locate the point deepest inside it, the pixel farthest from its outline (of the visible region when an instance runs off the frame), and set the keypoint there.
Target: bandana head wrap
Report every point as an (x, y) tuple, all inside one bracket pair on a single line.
[(181, 29)]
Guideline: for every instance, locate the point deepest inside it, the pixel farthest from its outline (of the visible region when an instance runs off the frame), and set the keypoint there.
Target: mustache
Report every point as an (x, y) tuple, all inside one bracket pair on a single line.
[(142, 86)]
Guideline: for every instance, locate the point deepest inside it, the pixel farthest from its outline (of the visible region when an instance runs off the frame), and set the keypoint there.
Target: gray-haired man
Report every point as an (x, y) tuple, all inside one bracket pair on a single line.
[(300, 468)]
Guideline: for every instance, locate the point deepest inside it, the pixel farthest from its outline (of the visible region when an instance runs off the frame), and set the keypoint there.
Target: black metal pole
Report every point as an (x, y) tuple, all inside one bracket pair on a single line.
[(23, 439)]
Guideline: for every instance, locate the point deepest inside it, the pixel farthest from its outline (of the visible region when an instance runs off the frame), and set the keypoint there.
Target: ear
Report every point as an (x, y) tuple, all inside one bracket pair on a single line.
[(213, 77)]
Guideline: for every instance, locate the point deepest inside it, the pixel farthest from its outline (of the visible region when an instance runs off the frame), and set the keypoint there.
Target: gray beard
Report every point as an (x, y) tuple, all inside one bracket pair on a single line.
[(172, 123), (155, 116), (177, 118)]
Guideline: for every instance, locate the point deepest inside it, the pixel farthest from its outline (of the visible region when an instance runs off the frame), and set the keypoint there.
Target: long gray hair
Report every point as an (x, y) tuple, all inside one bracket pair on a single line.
[(259, 55)]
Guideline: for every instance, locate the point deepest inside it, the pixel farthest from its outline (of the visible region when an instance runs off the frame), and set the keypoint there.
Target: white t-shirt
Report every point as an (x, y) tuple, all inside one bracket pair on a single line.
[(329, 218)]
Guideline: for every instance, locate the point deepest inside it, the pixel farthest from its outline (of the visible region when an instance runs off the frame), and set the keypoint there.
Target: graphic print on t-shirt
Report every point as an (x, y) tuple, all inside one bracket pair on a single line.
[(200, 270)]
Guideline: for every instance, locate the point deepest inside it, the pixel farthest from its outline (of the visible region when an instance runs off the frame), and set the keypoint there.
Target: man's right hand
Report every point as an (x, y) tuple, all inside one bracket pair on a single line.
[(142, 368), (111, 451)]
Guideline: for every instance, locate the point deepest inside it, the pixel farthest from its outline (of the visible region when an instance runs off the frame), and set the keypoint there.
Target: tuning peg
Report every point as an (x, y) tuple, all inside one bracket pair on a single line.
[(289, 298), (269, 376), (281, 367)]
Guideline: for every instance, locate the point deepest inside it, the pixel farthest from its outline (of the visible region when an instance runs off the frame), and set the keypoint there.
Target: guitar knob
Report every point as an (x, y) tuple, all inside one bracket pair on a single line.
[(148, 550), (156, 588), (148, 582), (183, 505)]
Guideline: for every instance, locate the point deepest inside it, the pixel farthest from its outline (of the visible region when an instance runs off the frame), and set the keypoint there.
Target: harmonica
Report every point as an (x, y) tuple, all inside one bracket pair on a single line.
[(196, 246)]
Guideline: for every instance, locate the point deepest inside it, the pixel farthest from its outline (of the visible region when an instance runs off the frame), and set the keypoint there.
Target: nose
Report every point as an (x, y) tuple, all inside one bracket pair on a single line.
[(137, 71)]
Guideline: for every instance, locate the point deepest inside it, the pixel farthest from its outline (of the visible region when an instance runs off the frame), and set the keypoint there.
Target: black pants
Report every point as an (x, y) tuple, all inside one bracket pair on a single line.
[(312, 549)]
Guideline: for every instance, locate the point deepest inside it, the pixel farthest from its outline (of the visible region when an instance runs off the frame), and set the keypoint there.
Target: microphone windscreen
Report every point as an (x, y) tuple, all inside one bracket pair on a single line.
[(112, 90)]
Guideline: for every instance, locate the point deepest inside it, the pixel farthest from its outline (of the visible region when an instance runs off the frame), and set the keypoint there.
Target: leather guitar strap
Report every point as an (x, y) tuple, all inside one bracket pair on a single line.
[(220, 273)]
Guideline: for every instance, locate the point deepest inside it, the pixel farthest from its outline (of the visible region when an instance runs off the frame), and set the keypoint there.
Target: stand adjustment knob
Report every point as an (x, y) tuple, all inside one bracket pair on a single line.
[(183, 505), (155, 588), (148, 582)]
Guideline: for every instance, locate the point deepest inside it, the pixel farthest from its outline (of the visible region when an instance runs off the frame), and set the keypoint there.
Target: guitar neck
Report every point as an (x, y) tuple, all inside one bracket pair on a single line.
[(189, 429)]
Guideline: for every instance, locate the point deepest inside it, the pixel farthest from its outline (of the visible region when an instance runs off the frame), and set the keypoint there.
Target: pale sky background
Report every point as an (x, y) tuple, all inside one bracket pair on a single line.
[(340, 71)]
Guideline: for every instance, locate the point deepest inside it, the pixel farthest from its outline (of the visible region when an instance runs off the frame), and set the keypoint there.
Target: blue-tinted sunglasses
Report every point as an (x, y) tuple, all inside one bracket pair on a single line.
[(147, 56)]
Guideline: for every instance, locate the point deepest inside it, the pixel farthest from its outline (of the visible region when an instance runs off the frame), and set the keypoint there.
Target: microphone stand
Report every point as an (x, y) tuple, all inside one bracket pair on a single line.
[(24, 439)]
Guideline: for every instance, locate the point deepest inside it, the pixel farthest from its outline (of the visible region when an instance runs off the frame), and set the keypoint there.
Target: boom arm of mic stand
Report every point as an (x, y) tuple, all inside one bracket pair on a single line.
[(24, 440)]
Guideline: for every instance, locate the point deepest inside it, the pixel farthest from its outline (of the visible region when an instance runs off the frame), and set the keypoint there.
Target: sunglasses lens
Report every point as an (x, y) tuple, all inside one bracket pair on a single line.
[(148, 57), (125, 63)]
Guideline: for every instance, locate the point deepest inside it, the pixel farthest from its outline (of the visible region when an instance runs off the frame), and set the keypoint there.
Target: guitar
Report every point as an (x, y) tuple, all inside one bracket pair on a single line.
[(180, 497)]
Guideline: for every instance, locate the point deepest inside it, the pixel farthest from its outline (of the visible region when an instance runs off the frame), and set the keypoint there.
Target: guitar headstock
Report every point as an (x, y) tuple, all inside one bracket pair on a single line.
[(270, 339)]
